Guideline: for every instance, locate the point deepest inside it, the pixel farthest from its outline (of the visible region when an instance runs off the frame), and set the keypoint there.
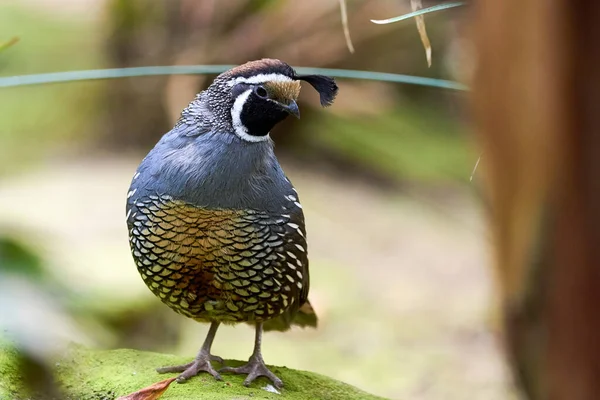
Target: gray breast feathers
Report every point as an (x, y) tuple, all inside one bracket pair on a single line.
[(214, 170)]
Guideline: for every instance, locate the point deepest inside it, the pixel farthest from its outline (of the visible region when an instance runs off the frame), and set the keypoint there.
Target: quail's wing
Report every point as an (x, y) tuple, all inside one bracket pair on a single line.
[(295, 243), (295, 248)]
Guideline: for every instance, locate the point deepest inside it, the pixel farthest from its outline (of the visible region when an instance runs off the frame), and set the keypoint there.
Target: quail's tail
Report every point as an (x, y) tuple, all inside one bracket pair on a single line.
[(304, 317)]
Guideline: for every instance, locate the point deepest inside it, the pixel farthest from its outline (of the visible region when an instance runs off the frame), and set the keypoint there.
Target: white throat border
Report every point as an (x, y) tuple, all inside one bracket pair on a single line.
[(236, 118)]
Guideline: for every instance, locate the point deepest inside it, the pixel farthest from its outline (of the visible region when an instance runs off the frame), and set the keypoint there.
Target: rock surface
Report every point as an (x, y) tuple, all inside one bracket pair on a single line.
[(107, 374)]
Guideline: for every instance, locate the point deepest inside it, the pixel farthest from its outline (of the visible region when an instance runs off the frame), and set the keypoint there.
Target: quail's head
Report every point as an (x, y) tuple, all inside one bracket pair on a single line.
[(249, 100)]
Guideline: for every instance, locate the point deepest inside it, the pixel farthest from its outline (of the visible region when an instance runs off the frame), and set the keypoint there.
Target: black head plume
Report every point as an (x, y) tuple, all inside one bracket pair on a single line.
[(324, 85)]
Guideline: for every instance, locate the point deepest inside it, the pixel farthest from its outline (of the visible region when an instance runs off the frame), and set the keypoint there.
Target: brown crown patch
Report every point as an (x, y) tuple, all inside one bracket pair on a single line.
[(283, 92), (263, 66)]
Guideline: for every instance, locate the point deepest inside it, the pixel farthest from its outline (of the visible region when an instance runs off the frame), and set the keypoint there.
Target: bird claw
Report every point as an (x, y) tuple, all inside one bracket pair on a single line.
[(201, 363), (174, 368), (216, 359), (254, 369)]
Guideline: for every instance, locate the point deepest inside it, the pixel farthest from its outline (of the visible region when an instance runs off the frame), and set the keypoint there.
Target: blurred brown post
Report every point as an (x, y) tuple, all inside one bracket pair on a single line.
[(537, 110)]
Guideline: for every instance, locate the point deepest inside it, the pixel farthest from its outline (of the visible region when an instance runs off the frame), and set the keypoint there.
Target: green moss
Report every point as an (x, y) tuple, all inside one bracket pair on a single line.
[(94, 375), (11, 384)]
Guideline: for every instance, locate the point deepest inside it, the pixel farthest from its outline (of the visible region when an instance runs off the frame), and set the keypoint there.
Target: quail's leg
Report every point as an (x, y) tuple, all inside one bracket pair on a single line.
[(256, 365), (200, 363)]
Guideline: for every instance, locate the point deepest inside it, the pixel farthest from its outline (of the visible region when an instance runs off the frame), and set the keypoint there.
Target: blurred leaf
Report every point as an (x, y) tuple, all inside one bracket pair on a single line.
[(475, 169), (17, 258), (344, 14), (25, 306), (151, 392), (420, 20), (7, 44), (423, 11)]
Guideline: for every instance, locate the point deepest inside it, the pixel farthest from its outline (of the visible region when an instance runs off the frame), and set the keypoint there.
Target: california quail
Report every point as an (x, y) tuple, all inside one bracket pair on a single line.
[(216, 229)]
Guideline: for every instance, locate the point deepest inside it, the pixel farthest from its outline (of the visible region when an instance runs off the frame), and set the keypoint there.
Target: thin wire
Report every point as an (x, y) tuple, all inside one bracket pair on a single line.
[(92, 74), (72, 76), (427, 10), (384, 77)]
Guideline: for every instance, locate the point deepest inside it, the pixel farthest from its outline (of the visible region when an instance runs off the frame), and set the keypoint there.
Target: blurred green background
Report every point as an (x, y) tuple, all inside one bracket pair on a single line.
[(398, 249)]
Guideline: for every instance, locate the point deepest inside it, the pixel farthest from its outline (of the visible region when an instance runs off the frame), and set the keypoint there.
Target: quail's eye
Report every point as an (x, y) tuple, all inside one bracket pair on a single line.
[(261, 92)]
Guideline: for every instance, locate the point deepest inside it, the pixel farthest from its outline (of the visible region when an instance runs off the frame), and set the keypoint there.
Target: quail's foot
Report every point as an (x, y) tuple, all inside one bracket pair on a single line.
[(201, 363), (254, 368)]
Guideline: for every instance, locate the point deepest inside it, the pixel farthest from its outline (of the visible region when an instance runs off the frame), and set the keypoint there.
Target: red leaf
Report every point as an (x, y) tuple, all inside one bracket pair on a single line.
[(151, 392)]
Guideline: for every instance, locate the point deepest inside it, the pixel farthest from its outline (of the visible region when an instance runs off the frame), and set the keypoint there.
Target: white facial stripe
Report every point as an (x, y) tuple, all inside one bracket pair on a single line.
[(236, 118), (261, 78)]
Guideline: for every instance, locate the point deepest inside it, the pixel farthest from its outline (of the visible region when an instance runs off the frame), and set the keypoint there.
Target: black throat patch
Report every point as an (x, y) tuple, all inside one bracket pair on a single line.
[(259, 116)]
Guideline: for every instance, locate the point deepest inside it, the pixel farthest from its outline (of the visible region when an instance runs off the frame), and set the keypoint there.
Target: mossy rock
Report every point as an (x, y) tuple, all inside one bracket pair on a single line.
[(105, 375)]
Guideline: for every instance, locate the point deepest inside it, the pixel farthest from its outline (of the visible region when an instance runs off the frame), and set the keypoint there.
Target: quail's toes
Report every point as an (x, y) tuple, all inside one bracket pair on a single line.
[(254, 368), (201, 363)]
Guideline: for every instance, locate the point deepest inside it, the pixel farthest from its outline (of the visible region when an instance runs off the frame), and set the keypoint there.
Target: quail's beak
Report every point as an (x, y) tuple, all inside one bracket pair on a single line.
[(292, 108)]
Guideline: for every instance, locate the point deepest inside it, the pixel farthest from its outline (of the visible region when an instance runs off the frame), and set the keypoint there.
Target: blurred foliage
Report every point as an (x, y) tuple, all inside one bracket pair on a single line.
[(307, 33), (8, 43), (24, 369), (18, 258), (409, 143), (37, 122), (130, 114)]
